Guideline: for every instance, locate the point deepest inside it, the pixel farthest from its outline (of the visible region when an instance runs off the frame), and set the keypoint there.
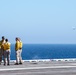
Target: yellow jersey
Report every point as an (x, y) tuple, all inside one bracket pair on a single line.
[(7, 46), (20, 45), (17, 45), (0, 44)]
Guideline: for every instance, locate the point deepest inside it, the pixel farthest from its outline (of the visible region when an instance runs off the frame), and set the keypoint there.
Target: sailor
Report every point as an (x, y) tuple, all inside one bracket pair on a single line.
[(6, 52), (2, 48), (20, 50), (0, 53), (17, 51)]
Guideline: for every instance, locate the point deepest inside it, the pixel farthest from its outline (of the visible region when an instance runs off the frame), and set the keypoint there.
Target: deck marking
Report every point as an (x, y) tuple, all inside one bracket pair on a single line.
[(33, 68)]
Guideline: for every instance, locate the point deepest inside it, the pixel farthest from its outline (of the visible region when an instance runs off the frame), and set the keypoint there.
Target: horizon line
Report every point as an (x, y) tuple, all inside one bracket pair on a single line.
[(46, 43)]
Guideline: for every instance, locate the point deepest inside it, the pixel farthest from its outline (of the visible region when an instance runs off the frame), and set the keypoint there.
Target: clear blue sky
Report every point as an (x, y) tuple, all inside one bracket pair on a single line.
[(38, 21)]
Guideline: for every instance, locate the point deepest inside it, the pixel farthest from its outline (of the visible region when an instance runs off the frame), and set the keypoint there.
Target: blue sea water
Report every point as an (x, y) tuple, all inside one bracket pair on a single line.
[(46, 51)]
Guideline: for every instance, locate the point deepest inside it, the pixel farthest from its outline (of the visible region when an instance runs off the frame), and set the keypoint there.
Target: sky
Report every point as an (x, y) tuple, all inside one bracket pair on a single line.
[(38, 21)]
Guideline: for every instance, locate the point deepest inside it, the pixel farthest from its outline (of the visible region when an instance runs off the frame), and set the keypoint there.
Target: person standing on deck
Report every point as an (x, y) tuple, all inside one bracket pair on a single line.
[(20, 51), (6, 53), (0, 53), (2, 48), (17, 51)]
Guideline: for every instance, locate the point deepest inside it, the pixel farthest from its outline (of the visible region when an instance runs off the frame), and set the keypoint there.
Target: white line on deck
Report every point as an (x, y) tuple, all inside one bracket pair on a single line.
[(33, 68)]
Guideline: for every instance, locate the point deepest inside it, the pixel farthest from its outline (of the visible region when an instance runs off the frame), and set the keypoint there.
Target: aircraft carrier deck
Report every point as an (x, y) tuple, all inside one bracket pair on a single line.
[(40, 68)]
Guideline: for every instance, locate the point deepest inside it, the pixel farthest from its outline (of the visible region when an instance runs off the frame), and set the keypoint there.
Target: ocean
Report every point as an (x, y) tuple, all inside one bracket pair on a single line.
[(45, 51)]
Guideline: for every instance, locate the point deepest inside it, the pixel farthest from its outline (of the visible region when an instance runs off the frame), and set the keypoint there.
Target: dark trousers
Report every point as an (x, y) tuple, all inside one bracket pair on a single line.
[(6, 57), (1, 54)]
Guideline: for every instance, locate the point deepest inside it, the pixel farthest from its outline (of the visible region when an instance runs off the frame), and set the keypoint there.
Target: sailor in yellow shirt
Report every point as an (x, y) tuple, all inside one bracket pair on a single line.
[(2, 48), (20, 49), (0, 53), (6, 52), (18, 52)]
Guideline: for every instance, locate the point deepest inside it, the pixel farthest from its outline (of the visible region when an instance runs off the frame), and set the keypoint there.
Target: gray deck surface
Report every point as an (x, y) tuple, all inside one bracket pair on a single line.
[(40, 68)]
